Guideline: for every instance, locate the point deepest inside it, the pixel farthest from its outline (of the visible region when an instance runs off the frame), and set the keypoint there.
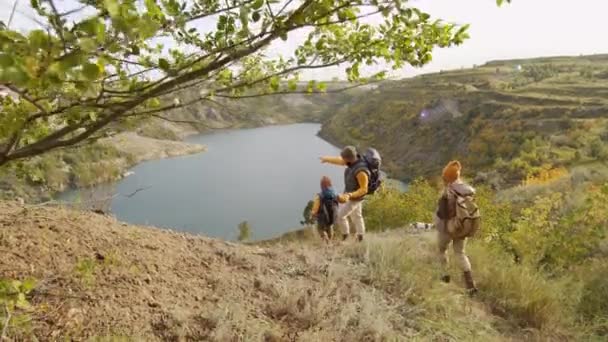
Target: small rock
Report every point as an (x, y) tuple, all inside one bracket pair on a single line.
[(270, 336), (153, 304), (99, 256), (148, 279), (197, 298), (257, 284), (20, 201)]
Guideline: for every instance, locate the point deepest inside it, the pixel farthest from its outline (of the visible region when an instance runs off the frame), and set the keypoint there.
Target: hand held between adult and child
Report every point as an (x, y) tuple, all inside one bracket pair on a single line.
[(343, 198)]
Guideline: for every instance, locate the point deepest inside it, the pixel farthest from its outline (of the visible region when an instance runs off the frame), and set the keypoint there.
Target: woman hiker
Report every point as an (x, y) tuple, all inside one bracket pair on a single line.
[(447, 226)]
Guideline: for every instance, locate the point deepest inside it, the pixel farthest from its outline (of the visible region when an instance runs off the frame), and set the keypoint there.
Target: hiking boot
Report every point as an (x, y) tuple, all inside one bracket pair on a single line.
[(470, 283), (360, 237), (446, 278)]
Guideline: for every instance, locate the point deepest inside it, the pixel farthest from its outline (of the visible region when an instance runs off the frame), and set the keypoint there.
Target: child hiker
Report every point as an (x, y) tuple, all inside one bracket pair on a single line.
[(325, 208)]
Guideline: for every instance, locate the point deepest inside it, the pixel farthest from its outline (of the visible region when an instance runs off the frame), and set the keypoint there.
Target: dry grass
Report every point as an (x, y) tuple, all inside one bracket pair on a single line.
[(384, 289)]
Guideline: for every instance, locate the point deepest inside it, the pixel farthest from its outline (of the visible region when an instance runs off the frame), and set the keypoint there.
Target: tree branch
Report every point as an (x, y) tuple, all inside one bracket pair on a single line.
[(330, 91), (26, 97), (218, 11), (55, 22)]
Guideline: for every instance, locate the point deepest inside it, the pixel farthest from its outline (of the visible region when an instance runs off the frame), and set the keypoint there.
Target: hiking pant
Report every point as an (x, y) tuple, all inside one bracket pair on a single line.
[(354, 211), (443, 240)]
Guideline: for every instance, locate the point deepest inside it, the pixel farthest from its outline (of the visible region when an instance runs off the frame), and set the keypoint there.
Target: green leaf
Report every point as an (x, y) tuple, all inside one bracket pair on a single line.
[(255, 16), (154, 102), (15, 285), (100, 30), (88, 44), (72, 60), (322, 86), (113, 7), (274, 83), (153, 8), (244, 16), (22, 302), (38, 39), (292, 85), (6, 60), (172, 7), (90, 71), (257, 4), (164, 64), (311, 86), (14, 75), (28, 285), (283, 35)]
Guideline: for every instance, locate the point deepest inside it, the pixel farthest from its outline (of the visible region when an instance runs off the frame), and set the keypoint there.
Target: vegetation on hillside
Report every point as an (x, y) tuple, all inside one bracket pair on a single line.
[(504, 123), (537, 261)]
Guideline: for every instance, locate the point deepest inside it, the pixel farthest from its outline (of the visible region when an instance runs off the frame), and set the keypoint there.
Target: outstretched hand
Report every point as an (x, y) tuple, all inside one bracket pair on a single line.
[(323, 160)]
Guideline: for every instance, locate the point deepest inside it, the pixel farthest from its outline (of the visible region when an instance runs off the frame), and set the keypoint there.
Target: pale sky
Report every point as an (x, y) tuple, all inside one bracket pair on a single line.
[(522, 29)]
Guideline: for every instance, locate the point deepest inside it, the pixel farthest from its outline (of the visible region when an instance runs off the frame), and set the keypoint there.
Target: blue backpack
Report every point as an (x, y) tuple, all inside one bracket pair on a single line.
[(328, 210)]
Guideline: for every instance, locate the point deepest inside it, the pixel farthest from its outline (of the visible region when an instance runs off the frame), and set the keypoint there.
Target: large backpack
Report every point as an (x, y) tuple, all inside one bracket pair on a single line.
[(468, 217), (373, 161), (328, 210)]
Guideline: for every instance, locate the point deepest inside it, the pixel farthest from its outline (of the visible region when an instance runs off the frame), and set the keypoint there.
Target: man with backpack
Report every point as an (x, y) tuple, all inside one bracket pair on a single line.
[(361, 177), (324, 209), (457, 219)]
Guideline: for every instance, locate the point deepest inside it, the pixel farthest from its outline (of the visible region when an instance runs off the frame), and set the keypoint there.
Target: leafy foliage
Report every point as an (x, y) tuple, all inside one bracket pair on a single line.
[(103, 64), (391, 208), (244, 231), (14, 303)]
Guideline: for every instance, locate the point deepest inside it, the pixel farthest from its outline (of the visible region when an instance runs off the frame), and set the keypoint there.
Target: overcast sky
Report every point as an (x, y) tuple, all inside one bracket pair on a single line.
[(524, 28)]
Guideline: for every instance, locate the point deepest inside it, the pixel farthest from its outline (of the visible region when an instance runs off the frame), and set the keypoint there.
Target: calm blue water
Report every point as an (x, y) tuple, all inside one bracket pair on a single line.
[(264, 176)]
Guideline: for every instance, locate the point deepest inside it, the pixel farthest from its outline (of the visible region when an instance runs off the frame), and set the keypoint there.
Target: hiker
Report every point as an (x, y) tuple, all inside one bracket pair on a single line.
[(361, 177), (325, 209), (457, 219)]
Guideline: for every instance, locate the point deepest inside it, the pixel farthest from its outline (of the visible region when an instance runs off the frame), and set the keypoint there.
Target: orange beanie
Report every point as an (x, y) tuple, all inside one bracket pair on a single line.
[(451, 172)]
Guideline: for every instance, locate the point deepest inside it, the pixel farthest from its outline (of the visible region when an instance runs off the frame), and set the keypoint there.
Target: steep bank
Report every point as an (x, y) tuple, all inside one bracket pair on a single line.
[(98, 278), (506, 119), (104, 161)]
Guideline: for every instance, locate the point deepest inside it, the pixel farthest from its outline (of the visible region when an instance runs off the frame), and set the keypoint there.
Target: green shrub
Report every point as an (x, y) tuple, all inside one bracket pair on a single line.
[(594, 300), (391, 208), (551, 236), (244, 231)]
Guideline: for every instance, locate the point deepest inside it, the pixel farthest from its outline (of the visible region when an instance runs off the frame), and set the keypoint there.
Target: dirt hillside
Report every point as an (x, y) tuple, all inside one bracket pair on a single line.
[(97, 278)]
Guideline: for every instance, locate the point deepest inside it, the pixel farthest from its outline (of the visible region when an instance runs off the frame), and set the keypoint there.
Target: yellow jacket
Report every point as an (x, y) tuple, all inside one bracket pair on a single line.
[(362, 179)]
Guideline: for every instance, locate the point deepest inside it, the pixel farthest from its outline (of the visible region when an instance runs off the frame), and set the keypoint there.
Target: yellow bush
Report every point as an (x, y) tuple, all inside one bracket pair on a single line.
[(545, 175)]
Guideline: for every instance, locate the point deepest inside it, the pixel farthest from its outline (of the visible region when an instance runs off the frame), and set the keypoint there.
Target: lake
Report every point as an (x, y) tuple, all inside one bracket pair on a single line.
[(264, 176)]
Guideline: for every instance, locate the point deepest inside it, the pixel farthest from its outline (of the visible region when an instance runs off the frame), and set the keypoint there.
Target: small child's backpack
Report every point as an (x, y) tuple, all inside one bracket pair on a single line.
[(328, 210)]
